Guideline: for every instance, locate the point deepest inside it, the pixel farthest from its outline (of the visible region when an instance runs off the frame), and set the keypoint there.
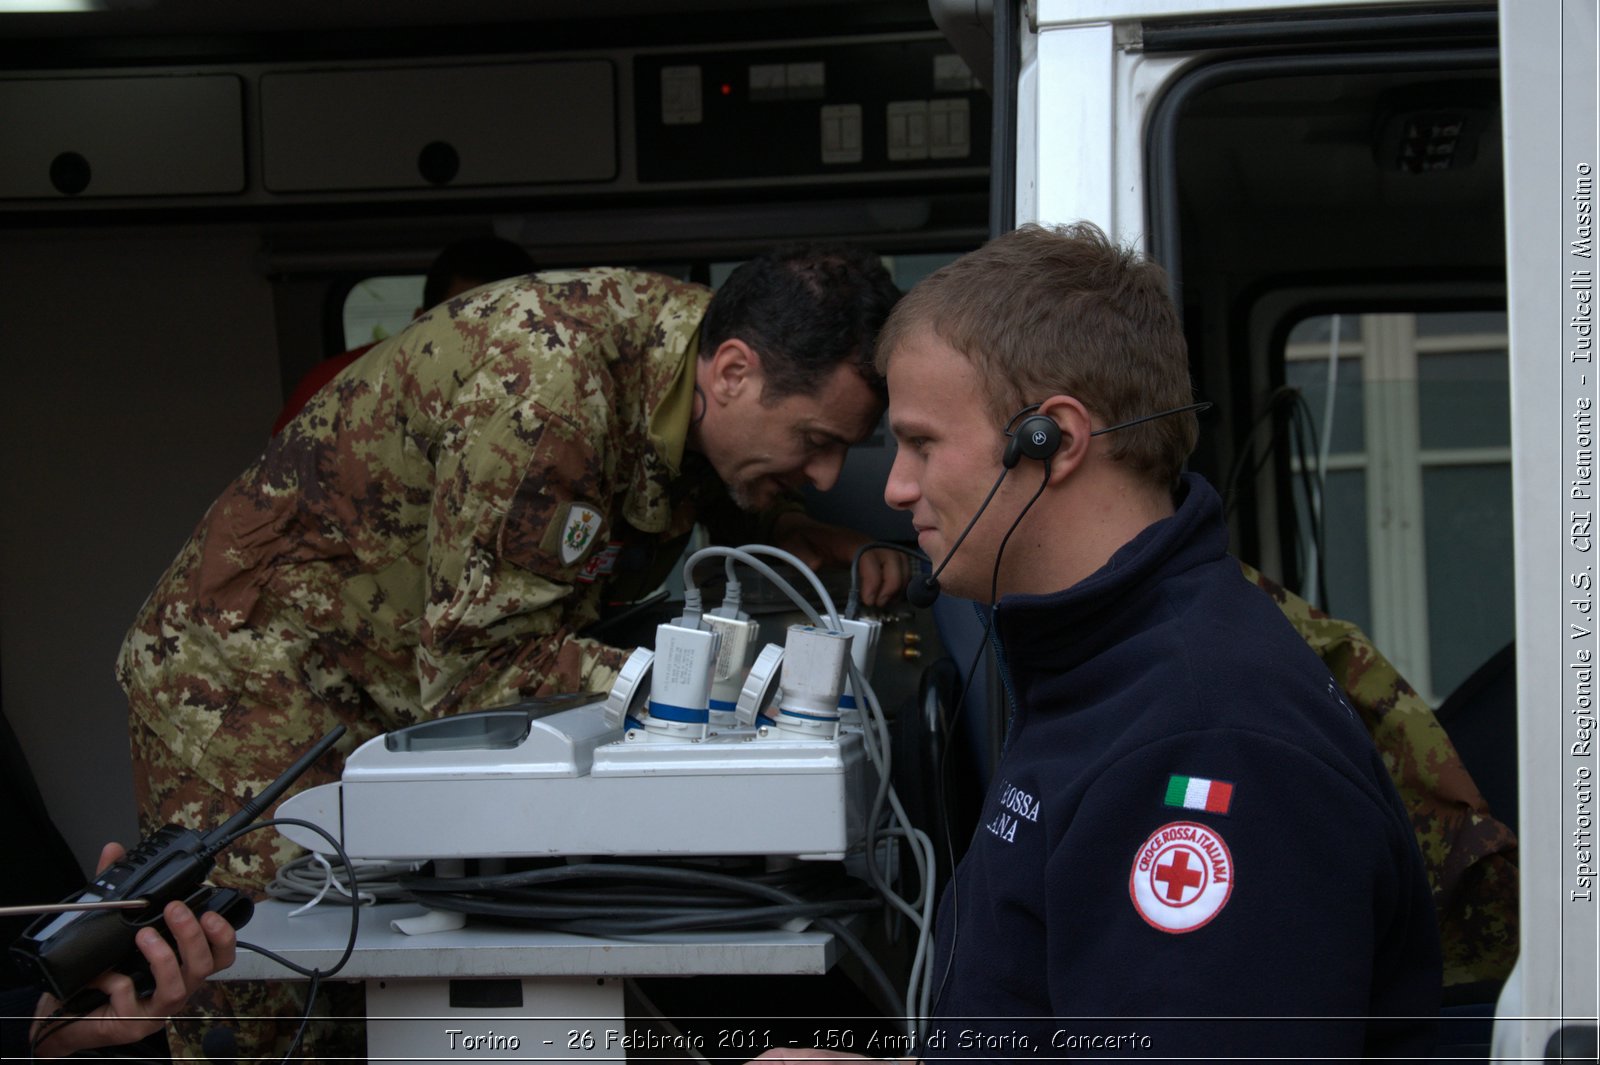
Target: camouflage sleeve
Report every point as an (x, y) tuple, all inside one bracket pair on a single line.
[(500, 613), (1471, 858)]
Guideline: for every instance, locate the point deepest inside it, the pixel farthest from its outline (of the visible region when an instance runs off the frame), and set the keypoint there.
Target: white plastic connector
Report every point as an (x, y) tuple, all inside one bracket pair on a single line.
[(628, 692), (863, 633), (680, 682), (814, 664), (760, 685), (740, 638)]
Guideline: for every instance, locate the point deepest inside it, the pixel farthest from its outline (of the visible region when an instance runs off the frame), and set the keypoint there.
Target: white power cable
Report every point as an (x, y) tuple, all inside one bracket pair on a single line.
[(362, 898), (691, 589), (310, 877), (875, 742), (922, 852)]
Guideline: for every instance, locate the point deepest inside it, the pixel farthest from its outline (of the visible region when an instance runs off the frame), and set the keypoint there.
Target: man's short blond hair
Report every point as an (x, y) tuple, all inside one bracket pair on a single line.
[(1064, 311)]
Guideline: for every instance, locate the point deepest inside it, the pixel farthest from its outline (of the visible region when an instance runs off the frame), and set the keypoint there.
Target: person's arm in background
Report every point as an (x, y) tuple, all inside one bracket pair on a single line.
[(205, 946), (884, 574), (785, 524)]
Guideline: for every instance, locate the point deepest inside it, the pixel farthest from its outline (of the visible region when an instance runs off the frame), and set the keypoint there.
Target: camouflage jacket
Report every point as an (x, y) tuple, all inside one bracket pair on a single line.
[(1470, 857), (436, 526)]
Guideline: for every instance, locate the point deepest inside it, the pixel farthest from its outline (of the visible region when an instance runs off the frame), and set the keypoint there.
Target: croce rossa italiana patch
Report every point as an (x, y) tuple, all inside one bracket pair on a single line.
[(1182, 877)]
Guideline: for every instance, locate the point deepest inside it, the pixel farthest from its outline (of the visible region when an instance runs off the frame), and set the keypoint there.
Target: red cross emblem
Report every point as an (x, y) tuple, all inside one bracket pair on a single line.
[(1181, 873), (1182, 876)]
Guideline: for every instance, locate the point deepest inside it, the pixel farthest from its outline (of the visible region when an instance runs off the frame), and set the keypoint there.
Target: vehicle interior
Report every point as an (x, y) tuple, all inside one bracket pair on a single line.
[(1334, 216), (172, 301), (1329, 200)]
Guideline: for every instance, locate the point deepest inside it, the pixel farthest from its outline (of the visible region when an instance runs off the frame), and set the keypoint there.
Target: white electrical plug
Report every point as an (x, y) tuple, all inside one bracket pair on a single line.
[(863, 633), (680, 683), (814, 666), (740, 637)]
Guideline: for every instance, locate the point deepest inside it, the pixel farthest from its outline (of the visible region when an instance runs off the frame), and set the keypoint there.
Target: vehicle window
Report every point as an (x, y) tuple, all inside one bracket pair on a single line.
[(1403, 500), (379, 307)]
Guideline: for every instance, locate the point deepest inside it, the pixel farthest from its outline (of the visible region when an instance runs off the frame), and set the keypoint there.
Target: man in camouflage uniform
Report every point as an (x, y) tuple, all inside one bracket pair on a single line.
[(433, 532), (1470, 858)]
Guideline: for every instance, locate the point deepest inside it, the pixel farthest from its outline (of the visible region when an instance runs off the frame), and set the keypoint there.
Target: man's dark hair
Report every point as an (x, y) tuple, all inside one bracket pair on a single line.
[(476, 259), (804, 308)]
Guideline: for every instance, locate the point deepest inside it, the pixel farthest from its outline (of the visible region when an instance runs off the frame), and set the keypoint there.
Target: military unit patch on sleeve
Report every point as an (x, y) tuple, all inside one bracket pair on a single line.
[(1182, 877), (572, 531)]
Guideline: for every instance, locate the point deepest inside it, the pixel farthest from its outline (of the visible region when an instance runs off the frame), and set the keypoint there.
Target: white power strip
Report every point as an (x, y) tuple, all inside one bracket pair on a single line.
[(573, 785)]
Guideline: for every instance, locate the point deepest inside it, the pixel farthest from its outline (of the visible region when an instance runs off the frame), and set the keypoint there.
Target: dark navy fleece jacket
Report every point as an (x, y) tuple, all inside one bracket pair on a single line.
[(1187, 822)]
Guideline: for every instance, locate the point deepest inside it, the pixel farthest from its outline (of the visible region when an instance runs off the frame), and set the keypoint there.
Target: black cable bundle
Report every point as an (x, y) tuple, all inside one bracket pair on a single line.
[(624, 898), (1303, 446)]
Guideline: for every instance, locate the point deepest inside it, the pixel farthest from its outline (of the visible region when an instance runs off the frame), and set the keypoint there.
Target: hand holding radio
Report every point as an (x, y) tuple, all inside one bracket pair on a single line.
[(172, 963), (107, 924)]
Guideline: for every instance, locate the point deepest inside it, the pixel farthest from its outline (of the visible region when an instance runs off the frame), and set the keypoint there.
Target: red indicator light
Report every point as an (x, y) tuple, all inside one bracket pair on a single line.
[(727, 90)]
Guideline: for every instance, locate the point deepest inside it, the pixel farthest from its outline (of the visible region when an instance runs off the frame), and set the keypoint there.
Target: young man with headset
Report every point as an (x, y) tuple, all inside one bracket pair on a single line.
[(1190, 847)]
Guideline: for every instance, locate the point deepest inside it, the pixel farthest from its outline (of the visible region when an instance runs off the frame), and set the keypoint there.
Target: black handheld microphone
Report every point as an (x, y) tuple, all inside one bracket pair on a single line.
[(1037, 437), (63, 953)]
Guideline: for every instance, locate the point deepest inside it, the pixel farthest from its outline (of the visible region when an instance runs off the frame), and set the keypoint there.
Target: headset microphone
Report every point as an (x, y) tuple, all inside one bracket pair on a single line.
[(921, 591), (1038, 437)]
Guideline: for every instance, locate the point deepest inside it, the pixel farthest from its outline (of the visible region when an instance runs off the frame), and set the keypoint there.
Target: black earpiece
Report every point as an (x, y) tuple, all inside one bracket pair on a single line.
[(1037, 437)]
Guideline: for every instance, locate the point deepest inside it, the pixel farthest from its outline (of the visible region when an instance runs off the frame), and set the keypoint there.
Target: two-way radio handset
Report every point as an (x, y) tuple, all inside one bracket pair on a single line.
[(63, 953)]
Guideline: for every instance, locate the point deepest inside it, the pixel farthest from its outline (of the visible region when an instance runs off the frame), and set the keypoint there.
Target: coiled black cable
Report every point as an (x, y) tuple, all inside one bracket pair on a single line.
[(679, 900)]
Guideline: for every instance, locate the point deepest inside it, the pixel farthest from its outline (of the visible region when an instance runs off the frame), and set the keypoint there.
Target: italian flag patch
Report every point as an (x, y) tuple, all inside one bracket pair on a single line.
[(1198, 793)]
